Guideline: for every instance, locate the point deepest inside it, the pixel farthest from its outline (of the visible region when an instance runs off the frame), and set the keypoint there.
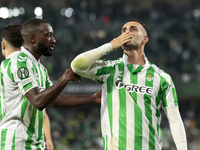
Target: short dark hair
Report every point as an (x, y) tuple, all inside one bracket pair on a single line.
[(29, 27), (12, 34), (140, 22)]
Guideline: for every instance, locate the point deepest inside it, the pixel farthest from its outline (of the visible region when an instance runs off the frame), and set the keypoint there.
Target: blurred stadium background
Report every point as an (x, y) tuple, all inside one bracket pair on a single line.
[(80, 25)]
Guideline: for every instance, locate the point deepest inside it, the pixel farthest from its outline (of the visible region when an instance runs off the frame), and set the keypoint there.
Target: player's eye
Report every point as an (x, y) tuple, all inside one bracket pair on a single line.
[(123, 31), (133, 29)]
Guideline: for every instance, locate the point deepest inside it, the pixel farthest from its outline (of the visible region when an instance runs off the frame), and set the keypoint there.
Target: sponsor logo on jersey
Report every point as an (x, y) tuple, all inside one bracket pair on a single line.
[(134, 88), (22, 73)]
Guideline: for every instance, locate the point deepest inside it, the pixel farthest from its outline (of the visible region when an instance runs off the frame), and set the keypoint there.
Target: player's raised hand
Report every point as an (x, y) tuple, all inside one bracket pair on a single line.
[(72, 76), (120, 40)]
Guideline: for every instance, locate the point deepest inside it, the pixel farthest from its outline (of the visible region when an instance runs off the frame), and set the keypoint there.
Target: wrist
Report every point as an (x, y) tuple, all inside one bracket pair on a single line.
[(109, 47), (64, 79), (92, 98), (182, 145)]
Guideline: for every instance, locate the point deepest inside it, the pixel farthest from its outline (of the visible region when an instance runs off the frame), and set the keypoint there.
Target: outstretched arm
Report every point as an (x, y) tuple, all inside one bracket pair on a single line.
[(86, 59), (42, 99), (65, 100), (47, 132), (176, 127)]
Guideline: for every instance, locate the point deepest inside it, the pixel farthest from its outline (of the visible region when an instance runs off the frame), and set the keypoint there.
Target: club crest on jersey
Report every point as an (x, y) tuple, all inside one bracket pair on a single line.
[(134, 88), (22, 73), (149, 77)]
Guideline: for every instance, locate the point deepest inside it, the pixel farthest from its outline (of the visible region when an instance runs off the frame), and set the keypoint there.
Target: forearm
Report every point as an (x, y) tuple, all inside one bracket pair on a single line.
[(65, 100), (179, 136), (47, 132), (42, 99), (86, 59), (47, 128), (177, 128)]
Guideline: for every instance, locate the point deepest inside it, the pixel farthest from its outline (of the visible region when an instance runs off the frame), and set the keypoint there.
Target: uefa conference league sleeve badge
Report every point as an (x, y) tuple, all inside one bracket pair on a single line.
[(23, 73)]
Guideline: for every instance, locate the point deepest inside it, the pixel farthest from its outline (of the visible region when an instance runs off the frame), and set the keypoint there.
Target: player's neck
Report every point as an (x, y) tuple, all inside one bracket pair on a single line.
[(10, 51), (135, 57), (33, 51)]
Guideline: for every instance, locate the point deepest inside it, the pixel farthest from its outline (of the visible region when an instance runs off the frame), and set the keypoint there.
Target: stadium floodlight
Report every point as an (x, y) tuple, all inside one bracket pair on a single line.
[(39, 17), (15, 12), (196, 14), (68, 12), (38, 11), (10, 12), (62, 11), (21, 10), (4, 12)]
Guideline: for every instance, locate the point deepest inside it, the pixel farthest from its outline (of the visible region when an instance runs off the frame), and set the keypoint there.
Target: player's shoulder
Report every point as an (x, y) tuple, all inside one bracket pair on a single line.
[(13, 55), (9, 59), (43, 67), (160, 71), (21, 58), (22, 55)]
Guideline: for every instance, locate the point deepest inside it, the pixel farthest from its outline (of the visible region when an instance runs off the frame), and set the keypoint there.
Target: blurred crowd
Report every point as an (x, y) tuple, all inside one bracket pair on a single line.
[(174, 44)]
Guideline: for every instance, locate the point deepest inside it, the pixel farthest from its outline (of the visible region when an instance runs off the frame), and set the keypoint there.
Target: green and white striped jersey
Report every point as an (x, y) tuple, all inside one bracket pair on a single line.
[(2, 110), (21, 127), (131, 103)]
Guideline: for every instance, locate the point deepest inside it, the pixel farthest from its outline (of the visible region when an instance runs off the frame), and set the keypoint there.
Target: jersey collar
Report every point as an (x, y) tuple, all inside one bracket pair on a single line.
[(12, 54), (140, 67), (29, 55)]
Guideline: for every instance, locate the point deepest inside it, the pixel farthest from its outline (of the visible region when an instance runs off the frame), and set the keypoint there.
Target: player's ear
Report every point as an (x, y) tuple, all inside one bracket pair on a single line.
[(32, 39), (146, 39), (3, 45)]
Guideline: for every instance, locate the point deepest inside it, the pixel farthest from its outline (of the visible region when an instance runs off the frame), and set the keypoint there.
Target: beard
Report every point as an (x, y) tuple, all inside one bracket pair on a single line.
[(44, 50), (135, 44), (130, 46)]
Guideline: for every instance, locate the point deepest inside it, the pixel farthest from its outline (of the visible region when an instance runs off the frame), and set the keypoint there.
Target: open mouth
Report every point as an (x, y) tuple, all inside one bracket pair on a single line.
[(51, 48)]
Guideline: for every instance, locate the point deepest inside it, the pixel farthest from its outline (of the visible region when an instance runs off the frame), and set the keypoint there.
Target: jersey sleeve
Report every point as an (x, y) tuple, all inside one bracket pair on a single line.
[(23, 74), (98, 71), (88, 65), (169, 95)]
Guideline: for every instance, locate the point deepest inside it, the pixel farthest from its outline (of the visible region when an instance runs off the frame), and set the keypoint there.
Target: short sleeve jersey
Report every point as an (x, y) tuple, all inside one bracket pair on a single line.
[(21, 127), (131, 102)]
